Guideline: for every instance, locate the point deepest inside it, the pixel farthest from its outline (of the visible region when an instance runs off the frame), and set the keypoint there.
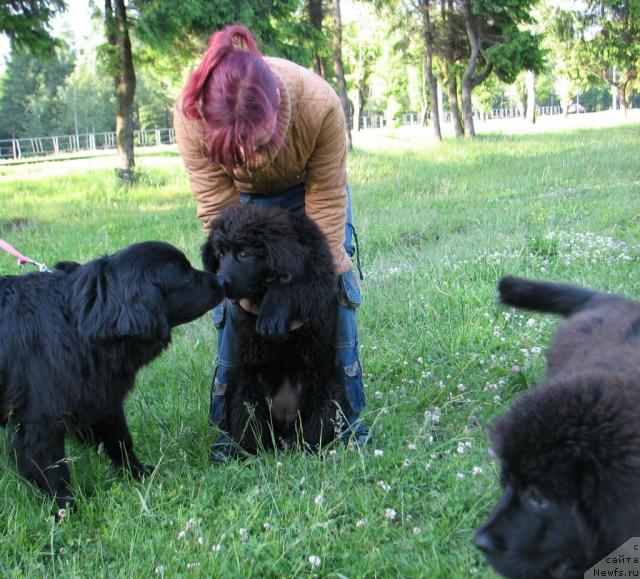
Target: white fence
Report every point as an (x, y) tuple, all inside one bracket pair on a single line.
[(89, 142), (506, 113)]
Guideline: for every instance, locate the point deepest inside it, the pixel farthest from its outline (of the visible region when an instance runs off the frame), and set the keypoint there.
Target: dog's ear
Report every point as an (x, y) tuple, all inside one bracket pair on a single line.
[(285, 257), (66, 266), (112, 304), (210, 256)]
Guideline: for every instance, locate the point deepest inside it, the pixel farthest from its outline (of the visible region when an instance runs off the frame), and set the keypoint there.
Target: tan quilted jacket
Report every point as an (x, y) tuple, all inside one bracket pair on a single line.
[(314, 153)]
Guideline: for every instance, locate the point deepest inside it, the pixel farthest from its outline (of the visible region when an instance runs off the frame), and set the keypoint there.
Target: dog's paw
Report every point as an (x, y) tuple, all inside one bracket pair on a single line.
[(273, 318), (142, 471), (64, 506), (273, 327)]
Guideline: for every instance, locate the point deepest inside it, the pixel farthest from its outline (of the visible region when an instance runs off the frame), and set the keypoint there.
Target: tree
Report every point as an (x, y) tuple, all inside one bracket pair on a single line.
[(602, 41), (26, 23), (451, 48), (32, 89), (124, 77), (362, 48), (496, 44), (530, 111), (315, 12), (338, 68), (427, 33)]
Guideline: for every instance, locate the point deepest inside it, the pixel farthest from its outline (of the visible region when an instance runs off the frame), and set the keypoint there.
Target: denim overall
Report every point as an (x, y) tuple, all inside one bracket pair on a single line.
[(347, 360)]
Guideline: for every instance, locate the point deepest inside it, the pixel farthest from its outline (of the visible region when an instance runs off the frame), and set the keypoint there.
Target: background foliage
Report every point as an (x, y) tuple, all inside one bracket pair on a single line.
[(69, 86)]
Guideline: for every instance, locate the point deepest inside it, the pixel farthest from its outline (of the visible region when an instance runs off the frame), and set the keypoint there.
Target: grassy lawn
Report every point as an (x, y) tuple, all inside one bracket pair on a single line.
[(437, 227)]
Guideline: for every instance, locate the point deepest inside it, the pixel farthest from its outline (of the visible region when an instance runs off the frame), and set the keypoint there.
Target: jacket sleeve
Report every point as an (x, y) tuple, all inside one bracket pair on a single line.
[(326, 182), (211, 186)]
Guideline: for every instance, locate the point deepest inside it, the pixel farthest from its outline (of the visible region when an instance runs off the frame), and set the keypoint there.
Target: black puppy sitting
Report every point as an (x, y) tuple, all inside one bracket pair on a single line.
[(569, 448), (71, 343), (285, 387)]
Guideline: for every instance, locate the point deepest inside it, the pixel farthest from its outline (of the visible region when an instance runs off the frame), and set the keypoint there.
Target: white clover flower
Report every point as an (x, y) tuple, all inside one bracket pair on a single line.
[(420, 360), (531, 322), (216, 548), (278, 465), (315, 561), (182, 534), (62, 513), (190, 524), (159, 570), (461, 447), (266, 525), (407, 462), (391, 514), (384, 486), (417, 530), (462, 387), (361, 522), (460, 476), (477, 471), (319, 500), (412, 446), (244, 535), (378, 453), (200, 540), (192, 566)]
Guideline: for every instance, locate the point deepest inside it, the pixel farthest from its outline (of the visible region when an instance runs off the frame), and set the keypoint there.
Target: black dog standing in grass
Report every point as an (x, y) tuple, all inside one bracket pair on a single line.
[(71, 343), (569, 448), (285, 388)]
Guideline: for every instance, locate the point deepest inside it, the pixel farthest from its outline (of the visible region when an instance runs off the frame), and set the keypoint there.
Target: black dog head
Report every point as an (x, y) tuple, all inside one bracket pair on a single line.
[(570, 459), (141, 291), (252, 248)]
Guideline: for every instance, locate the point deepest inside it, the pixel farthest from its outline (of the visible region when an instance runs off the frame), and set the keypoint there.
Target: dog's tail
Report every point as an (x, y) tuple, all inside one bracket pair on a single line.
[(553, 298)]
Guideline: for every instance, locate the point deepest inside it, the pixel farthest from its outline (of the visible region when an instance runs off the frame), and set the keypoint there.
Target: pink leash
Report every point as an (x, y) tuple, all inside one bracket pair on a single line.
[(22, 259)]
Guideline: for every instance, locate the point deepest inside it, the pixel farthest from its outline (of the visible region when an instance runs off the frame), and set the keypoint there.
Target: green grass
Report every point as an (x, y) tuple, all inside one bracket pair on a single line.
[(437, 229)]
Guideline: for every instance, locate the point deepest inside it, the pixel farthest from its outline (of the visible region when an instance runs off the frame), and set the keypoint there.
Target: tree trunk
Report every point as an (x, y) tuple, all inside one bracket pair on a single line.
[(621, 89), (469, 78), (452, 88), (428, 68), (124, 77), (467, 75), (357, 110), (531, 96), (338, 69), (316, 15)]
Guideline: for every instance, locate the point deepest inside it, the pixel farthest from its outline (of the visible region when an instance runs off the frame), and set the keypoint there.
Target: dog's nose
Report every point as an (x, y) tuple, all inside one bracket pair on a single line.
[(223, 279), (485, 541)]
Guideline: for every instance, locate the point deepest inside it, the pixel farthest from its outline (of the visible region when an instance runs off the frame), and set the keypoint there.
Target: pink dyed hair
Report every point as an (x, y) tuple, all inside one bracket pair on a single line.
[(236, 95)]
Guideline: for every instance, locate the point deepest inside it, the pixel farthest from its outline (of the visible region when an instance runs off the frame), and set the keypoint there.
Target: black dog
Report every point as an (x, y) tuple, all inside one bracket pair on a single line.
[(71, 343), (570, 448), (283, 381)]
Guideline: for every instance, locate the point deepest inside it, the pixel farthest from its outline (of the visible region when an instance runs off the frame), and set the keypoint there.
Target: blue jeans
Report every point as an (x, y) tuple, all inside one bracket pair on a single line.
[(347, 358)]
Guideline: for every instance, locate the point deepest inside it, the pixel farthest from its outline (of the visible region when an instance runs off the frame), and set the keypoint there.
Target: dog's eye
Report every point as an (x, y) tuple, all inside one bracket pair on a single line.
[(188, 279), (536, 499), (243, 254)]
